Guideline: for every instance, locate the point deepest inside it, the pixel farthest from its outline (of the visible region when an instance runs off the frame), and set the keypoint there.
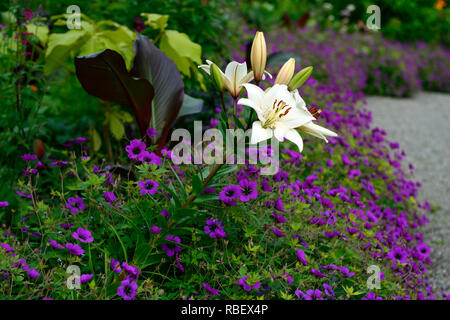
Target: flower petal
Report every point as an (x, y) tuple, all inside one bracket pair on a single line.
[(259, 133), (317, 131), (295, 137)]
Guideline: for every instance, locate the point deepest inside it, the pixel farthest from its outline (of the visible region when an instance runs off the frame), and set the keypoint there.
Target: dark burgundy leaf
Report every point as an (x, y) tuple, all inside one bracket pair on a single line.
[(152, 64), (104, 75)]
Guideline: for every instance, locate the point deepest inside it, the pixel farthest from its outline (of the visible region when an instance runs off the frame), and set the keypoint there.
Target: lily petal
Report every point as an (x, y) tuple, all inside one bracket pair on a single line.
[(295, 137), (317, 131), (259, 133)]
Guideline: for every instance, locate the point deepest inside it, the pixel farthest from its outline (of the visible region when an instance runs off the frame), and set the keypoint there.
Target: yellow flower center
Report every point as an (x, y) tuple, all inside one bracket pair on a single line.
[(279, 109)]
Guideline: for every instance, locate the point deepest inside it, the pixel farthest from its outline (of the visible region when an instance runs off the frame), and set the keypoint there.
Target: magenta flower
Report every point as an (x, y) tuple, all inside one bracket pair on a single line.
[(318, 274), (55, 244), (75, 204), (301, 256), (3, 204), (83, 235), (33, 274), (115, 266), (371, 296), (85, 278), (229, 194), (155, 229), (211, 290), (28, 157), (148, 186), (279, 218), (127, 289), (151, 132), (247, 287), (170, 248), (278, 232), (165, 214), (214, 229), (110, 197), (135, 149), (131, 271), (150, 158), (248, 190), (74, 249)]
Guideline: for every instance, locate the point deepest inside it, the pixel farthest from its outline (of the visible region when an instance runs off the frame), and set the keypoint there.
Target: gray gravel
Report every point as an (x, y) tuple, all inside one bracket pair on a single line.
[(421, 125)]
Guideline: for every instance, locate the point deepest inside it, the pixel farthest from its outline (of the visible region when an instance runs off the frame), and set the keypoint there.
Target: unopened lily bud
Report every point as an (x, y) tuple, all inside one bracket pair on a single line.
[(286, 72), (216, 76), (300, 78), (258, 56)]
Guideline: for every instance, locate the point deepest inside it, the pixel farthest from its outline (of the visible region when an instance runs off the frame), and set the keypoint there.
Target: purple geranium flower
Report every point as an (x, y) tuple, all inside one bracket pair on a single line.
[(248, 189), (33, 274), (150, 158), (229, 194), (131, 271), (127, 290), (151, 132), (169, 248), (55, 244), (148, 186), (247, 287), (211, 290), (371, 296), (28, 157), (278, 218), (84, 278), (155, 229), (135, 149), (3, 204), (278, 232), (318, 274), (75, 204), (215, 229), (110, 197), (115, 266), (74, 249), (302, 257), (83, 235), (165, 214)]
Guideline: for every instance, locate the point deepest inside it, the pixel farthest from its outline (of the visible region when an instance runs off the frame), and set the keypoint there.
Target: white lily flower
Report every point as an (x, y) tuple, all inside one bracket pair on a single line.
[(277, 112), (310, 127), (234, 77)]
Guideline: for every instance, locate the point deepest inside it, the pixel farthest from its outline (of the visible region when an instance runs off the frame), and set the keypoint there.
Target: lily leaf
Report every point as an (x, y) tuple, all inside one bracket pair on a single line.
[(104, 75), (152, 64)]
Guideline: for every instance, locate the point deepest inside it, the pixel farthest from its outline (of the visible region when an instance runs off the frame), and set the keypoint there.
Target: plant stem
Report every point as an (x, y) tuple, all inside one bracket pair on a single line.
[(106, 135), (205, 183)]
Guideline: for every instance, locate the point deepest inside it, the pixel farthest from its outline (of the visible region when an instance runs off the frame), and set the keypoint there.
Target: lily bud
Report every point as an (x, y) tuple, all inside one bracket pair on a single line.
[(258, 56), (216, 76), (286, 72), (300, 78)]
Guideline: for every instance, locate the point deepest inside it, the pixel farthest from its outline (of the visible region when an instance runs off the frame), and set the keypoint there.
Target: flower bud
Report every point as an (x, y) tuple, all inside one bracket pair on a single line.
[(286, 72), (300, 78), (216, 76), (258, 56)]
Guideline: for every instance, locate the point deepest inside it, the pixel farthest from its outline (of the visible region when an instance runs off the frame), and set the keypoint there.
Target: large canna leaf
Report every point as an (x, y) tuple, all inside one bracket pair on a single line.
[(104, 75), (152, 64)]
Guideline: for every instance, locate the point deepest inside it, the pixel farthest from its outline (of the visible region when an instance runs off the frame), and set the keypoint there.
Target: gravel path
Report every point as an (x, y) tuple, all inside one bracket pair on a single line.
[(421, 125)]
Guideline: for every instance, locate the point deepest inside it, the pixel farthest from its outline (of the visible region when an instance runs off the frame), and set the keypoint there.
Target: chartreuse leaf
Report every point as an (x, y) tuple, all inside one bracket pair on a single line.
[(91, 38), (40, 31), (156, 21), (181, 50)]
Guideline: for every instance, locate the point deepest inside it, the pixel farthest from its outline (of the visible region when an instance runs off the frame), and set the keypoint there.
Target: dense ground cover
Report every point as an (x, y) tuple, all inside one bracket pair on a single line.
[(311, 231)]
